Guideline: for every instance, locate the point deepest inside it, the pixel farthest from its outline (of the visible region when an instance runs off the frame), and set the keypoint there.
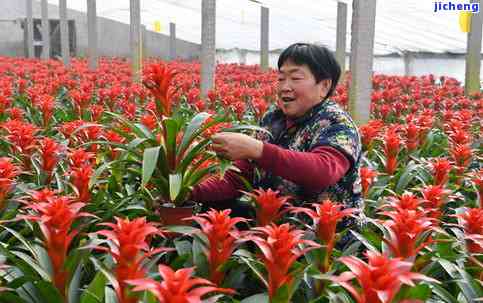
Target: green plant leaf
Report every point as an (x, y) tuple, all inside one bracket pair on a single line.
[(192, 130), (258, 298), (48, 292), (150, 159), (175, 183), (95, 291)]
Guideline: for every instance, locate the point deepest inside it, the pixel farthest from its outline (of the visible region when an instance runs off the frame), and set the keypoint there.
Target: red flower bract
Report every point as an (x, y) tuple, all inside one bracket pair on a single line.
[(268, 205), (177, 286), (55, 218), (280, 247), (221, 232), (326, 216), (8, 171), (157, 78), (367, 177), (380, 279), (129, 248)]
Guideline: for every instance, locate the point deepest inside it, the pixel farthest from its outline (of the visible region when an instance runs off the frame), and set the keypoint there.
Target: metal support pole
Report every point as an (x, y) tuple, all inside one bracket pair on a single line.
[(473, 54), (45, 31), (208, 50), (340, 48), (64, 32), (362, 52), (135, 38), (264, 28), (30, 30), (92, 34)]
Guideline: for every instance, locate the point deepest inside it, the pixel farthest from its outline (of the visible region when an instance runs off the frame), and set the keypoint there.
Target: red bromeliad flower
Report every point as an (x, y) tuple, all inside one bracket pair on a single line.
[(406, 229), (325, 217), (46, 105), (79, 157), (392, 144), (367, 178), (221, 232), (440, 169), (80, 177), (112, 136), (55, 217), (407, 201), (157, 78), (472, 223), (8, 171), (50, 152), (268, 205), (22, 137), (177, 286), (280, 246), (370, 131), (462, 158), (380, 279), (412, 136), (129, 247), (435, 196)]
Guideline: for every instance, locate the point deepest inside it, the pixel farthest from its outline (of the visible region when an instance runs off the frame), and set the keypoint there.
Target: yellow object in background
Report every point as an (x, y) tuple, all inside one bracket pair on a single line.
[(465, 21), (157, 26)]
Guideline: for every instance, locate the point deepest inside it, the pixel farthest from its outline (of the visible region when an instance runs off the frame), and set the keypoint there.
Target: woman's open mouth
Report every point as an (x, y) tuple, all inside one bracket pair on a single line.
[(287, 100)]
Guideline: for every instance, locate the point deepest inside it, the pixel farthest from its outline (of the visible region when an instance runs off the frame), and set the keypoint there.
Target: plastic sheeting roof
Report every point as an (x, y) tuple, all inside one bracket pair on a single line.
[(409, 25)]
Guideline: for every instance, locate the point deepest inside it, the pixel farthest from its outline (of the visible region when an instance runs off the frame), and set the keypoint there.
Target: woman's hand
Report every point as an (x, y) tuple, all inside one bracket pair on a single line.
[(236, 146)]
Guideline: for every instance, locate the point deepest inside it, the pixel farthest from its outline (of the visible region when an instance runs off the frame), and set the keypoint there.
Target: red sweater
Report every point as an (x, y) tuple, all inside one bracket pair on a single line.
[(314, 170)]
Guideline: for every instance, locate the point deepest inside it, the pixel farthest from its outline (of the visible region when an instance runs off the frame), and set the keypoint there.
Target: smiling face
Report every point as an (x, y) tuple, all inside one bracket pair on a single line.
[(298, 91)]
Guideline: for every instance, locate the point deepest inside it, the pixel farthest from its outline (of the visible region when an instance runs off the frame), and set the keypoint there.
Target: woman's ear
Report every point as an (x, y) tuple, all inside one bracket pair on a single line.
[(325, 87)]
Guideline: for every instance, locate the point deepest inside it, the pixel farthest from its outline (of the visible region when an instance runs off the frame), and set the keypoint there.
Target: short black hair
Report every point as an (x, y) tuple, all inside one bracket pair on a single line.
[(320, 60)]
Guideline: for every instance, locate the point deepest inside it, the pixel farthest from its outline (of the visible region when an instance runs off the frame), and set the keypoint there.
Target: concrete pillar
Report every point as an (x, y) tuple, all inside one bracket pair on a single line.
[(208, 50), (92, 34), (406, 56), (30, 30), (172, 41), (340, 41), (135, 38), (64, 33), (264, 26), (473, 54), (362, 51), (45, 31)]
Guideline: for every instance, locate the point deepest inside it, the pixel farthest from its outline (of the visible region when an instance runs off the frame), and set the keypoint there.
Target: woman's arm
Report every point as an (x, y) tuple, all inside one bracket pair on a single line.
[(314, 170)]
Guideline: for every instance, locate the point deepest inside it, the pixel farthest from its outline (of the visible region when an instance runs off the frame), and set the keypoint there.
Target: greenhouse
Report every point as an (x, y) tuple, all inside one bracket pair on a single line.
[(241, 151)]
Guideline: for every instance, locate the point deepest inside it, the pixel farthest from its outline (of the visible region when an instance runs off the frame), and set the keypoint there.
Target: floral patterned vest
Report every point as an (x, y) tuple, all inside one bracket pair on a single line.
[(326, 124)]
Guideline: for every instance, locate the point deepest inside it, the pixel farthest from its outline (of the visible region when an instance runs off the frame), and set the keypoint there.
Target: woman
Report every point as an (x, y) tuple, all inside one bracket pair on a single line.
[(315, 149)]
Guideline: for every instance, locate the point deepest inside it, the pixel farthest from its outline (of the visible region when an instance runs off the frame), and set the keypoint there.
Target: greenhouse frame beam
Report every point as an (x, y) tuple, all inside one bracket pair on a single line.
[(30, 29), (45, 30), (92, 34), (473, 54), (64, 32), (208, 50), (135, 38), (362, 52), (264, 41), (172, 41), (340, 42)]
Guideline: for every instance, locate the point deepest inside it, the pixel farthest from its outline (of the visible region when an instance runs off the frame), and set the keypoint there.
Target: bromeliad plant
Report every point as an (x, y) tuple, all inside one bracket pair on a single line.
[(222, 234), (171, 154), (281, 246)]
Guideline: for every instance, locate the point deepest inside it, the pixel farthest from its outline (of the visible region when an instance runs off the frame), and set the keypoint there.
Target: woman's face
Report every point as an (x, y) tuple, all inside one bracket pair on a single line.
[(297, 90)]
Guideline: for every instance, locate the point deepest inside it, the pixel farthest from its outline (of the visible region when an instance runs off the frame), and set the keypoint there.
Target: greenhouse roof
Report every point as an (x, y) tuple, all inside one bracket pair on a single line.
[(410, 25)]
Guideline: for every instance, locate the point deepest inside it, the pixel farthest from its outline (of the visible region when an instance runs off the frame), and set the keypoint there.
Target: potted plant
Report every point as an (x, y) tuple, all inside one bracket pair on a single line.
[(172, 155)]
